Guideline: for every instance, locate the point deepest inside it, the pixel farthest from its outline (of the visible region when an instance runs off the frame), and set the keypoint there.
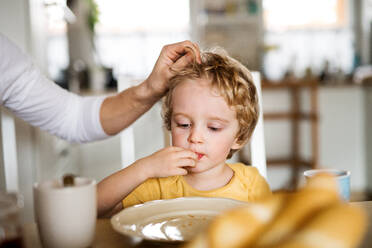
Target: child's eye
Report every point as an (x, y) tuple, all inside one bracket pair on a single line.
[(214, 129), (183, 125)]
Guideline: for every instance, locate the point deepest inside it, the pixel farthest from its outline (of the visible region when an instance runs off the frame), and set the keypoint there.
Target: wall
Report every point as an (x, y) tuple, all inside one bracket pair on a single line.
[(342, 132), (368, 132), (13, 22)]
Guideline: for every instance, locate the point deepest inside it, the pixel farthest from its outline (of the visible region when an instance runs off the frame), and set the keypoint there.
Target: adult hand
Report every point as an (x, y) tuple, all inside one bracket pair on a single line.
[(169, 161), (172, 57), (121, 110)]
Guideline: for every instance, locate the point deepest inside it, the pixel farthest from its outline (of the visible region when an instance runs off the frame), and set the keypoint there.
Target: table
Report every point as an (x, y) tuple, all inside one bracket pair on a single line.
[(367, 205), (106, 237)]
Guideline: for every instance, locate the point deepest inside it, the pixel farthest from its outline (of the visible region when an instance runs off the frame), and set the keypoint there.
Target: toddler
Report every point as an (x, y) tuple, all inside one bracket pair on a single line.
[(211, 110)]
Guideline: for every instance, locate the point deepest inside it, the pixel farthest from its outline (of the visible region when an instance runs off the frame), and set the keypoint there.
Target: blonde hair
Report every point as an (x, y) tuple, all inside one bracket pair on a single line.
[(233, 82)]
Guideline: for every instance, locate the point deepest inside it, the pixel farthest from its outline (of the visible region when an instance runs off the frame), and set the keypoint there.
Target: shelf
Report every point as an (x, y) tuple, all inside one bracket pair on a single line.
[(289, 115), (288, 84), (285, 161)]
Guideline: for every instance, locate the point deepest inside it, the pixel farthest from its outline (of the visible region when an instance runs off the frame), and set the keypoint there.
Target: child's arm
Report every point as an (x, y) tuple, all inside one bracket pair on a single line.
[(166, 162)]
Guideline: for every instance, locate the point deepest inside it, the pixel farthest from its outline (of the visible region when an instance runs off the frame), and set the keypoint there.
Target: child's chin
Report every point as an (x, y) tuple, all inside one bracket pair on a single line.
[(193, 169)]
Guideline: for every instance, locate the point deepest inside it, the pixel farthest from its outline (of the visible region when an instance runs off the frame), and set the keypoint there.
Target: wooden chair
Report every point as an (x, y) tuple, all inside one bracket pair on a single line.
[(129, 152), (295, 116)]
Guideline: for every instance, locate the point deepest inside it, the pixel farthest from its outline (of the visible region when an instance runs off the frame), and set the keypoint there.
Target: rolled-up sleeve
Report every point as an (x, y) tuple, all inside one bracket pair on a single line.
[(31, 96)]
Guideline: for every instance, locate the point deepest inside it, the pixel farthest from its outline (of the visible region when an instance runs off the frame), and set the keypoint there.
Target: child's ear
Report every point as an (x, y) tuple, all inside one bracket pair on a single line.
[(237, 144)]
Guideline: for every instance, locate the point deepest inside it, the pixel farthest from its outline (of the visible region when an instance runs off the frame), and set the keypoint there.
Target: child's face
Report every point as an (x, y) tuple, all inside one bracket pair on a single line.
[(203, 122)]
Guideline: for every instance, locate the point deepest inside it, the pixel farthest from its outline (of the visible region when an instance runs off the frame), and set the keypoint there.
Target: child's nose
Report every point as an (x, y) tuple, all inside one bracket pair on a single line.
[(196, 136)]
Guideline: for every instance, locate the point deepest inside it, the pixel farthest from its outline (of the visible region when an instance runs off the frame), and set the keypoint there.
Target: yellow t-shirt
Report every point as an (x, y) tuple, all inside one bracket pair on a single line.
[(245, 185)]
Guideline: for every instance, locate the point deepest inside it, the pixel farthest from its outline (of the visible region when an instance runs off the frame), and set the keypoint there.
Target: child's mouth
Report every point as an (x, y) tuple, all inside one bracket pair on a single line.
[(200, 155)]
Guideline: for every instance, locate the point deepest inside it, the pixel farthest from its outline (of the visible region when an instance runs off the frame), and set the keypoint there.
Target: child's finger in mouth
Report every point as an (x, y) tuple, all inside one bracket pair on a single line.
[(200, 155)]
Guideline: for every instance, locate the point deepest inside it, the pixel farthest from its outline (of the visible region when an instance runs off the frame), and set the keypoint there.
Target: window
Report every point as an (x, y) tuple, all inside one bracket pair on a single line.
[(306, 34), (303, 14), (129, 34), (57, 50)]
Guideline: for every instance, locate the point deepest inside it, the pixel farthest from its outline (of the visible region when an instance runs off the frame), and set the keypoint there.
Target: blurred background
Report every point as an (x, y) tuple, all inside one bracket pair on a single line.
[(314, 56)]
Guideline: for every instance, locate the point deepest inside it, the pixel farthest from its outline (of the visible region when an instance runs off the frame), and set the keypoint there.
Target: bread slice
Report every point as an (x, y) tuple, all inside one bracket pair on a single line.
[(340, 226), (320, 193), (239, 227)]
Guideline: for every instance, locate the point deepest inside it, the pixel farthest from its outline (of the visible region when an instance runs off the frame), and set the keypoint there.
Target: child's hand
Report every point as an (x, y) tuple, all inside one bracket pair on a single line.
[(167, 162)]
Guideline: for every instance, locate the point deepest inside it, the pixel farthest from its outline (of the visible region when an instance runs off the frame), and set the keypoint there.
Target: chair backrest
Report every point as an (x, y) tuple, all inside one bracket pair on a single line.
[(127, 139), (8, 152), (128, 136), (257, 142)]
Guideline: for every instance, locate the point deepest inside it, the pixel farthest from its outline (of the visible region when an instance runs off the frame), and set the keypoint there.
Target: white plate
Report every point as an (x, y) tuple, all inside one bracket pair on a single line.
[(170, 220)]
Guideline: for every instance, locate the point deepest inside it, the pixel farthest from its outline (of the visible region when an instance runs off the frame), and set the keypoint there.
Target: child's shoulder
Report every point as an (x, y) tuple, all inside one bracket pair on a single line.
[(244, 170), (163, 181), (251, 178)]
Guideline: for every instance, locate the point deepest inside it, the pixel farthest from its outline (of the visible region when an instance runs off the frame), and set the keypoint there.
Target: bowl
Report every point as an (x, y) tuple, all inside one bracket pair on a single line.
[(173, 220)]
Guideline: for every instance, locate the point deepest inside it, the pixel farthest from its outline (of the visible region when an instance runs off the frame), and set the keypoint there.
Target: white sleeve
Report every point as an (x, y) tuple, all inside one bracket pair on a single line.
[(39, 101)]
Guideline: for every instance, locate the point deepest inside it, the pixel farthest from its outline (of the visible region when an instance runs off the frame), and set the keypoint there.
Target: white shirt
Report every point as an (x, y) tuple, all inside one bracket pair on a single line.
[(31, 96)]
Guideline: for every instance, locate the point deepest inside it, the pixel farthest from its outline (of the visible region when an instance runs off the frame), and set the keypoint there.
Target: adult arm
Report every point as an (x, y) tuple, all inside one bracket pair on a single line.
[(34, 98), (31, 96)]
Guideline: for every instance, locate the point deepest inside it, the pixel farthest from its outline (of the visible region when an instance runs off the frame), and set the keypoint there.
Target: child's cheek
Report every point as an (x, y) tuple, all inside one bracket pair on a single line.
[(179, 138)]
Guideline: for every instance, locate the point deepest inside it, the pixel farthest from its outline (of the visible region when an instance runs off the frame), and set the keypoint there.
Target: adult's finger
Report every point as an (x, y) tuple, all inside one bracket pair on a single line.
[(183, 61), (196, 52), (177, 50)]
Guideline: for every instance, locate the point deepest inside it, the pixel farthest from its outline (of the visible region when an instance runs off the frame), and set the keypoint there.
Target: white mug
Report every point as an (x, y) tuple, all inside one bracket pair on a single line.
[(66, 216)]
